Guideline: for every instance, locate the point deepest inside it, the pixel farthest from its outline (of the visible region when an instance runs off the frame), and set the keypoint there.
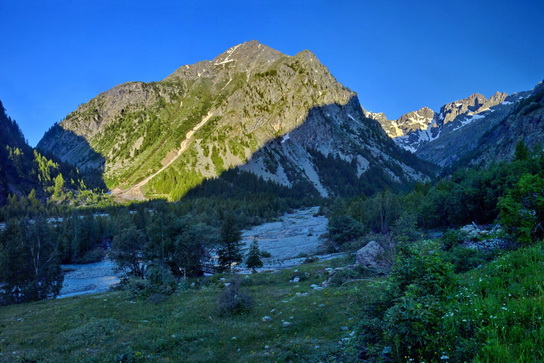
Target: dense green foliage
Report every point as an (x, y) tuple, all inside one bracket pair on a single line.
[(427, 313), (522, 209), (29, 262), (467, 196), (452, 298)]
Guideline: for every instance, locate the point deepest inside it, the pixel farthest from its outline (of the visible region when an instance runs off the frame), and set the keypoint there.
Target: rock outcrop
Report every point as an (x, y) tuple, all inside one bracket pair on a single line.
[(371, 256)]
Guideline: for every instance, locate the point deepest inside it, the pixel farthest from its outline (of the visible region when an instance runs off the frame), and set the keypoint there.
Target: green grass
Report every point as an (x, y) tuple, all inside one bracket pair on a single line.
[(499, 309), (187, 327)]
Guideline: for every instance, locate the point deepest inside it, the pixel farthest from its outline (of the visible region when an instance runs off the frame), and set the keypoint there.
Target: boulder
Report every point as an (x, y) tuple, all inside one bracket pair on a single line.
[(370, 255)]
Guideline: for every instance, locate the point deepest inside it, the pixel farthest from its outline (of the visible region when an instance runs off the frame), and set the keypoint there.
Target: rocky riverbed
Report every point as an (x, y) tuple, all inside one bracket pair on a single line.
[(89, 278), (289, 240)]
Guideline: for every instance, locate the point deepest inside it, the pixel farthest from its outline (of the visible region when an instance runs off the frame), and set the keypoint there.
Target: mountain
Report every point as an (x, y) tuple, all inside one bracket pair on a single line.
[(494, 135), (23, 169), (413, 130), (282, 118)]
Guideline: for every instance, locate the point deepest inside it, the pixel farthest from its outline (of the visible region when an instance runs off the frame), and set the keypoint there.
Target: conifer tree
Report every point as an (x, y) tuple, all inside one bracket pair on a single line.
[(230, 251), (254, 256), (521, 152)]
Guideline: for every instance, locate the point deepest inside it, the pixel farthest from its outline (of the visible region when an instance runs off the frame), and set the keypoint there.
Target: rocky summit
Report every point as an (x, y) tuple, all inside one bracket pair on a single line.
[(283, 118), (414, 129), (468, 131), (491, 135)]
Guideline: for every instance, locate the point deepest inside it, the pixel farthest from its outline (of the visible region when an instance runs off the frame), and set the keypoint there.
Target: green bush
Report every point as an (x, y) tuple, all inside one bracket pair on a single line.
[(464, 259), (343, 229), (158, 281), (233, 300), (522, 209), (405, 320), (452, 238)]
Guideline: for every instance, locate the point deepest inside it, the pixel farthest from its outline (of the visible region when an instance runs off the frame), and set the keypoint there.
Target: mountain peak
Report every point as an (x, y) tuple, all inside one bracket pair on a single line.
[(248, 52), (243, 57)]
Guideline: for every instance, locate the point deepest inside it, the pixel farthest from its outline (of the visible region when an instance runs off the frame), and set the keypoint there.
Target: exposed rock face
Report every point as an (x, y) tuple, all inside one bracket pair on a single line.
[(371, 255), (252, 106), (413, 130)]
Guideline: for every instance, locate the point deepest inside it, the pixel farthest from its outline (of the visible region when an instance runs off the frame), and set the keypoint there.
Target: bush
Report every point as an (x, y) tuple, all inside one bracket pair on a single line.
[(343, 229), (522, 209), (233, 301), (158, 280), (464, 259), (452, 238), (405, 320)]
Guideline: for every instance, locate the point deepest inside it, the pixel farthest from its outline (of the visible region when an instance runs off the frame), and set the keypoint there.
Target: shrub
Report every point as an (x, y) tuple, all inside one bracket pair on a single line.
[(158, 280), (464, 259), (343, 229), (453, 238), (234, 301), (522, 209)]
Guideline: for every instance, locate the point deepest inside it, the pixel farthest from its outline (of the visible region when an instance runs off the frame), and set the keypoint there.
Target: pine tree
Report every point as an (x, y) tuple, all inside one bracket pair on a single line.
[(521, 152), (254, 256), (59, 186), (29, 265), (230, 251)]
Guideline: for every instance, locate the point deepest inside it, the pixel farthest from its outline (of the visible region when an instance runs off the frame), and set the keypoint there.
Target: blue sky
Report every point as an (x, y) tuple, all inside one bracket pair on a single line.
[(398, 55)]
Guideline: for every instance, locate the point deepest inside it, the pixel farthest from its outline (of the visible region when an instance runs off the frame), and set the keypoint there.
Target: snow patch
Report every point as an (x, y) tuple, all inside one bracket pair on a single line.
[(469, 120), (285, 138)]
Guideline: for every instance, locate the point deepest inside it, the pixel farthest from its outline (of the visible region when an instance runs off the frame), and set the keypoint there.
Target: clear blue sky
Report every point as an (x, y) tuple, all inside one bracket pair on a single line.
[(398, 55)]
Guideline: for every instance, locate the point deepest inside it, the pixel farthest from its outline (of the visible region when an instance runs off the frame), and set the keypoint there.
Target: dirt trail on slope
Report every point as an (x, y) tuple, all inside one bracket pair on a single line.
[(135, 192)]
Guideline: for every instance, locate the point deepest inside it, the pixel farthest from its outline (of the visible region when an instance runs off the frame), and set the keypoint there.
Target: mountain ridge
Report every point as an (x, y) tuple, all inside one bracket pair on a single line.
[(414, 129)]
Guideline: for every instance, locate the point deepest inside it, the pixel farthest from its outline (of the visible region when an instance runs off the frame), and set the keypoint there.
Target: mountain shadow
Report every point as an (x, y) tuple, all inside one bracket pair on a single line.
[(92, 163), (23, 168), (335, 151)]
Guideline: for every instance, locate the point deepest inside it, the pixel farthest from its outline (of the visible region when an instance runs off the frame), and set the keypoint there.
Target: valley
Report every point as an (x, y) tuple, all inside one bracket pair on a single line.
[(253, 209)]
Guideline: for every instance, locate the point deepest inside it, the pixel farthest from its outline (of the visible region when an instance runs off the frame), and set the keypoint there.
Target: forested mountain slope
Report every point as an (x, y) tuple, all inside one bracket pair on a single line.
[(23, 169)]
